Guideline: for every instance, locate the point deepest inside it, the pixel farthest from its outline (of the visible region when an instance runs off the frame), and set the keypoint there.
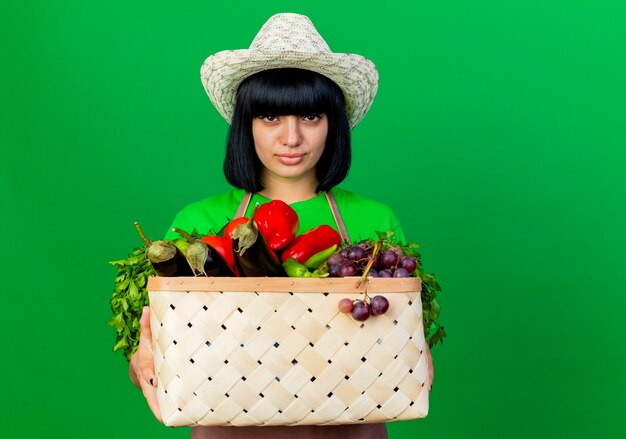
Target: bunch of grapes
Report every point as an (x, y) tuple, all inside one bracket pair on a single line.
[(362, 309), (351, 261), (361, 259)]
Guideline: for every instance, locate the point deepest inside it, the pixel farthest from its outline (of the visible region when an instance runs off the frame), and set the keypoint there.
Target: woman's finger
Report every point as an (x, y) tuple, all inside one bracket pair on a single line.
[(149, 392), (145, 353), (146, 369), (431, 368), (145, 323)]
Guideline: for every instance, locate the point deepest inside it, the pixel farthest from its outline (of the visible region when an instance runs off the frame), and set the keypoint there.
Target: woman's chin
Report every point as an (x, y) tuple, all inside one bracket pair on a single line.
[(292, 172)]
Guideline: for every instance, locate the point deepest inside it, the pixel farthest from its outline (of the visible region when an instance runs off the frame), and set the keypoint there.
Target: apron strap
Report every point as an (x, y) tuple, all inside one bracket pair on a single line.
[(337, 216), (243, 207)]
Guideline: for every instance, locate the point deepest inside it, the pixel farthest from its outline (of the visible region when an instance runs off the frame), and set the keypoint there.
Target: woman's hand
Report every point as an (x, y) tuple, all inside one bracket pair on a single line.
[(431, 369), (141, 366)]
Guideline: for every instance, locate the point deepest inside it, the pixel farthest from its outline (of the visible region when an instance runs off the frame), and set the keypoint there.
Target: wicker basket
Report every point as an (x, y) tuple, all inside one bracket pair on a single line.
[(276, 351)]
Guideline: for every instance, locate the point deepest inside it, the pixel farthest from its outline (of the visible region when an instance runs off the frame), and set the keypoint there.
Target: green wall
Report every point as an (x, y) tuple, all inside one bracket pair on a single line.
[(498, 136)]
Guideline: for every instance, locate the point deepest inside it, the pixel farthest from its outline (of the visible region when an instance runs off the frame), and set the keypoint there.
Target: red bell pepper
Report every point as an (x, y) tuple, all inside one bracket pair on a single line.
[(277, 222), (311, 242)]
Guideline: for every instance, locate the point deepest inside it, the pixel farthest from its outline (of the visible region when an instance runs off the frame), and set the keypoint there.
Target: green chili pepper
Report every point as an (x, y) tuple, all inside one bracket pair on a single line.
[(295, 269), (319, 258)]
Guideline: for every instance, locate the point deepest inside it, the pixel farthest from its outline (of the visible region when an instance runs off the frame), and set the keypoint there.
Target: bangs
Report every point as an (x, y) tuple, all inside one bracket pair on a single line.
[(287, 91)]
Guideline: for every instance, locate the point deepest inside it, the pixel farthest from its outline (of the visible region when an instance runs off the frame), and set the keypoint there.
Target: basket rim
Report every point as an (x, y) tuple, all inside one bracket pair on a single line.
[(284, 284)]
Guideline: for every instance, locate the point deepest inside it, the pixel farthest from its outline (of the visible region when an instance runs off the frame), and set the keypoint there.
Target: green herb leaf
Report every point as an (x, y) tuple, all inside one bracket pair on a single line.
[(129, 298)]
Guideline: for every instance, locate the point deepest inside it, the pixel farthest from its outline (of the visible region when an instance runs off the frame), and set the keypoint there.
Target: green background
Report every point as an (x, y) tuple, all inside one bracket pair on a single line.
[(498, 136)]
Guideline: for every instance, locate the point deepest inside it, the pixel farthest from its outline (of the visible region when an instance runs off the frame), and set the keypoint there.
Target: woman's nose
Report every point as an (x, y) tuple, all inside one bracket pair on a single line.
[(291, 135)]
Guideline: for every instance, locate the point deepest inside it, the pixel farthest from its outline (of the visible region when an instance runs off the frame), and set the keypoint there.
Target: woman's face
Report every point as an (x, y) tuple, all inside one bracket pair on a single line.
[(289, 147)]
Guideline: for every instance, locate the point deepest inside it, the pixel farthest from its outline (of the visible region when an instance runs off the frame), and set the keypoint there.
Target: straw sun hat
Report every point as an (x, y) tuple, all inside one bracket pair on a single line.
[(290, 40)]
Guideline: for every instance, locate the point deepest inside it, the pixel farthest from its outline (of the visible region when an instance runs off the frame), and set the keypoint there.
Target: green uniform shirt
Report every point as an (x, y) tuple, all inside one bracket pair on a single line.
[(362, 216)]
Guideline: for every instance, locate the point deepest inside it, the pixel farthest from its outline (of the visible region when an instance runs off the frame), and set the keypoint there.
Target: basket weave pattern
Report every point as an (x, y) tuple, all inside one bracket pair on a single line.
[(264, 357)]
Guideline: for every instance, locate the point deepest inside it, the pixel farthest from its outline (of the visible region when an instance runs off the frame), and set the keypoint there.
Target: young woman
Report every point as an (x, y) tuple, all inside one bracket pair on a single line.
[(291, 103)]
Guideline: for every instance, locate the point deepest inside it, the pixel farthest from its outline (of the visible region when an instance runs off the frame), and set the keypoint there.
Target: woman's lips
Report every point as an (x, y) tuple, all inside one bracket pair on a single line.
[(290, 159)]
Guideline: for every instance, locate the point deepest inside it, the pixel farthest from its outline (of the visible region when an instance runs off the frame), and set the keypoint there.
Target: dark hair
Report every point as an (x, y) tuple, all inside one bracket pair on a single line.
[(286, 92)]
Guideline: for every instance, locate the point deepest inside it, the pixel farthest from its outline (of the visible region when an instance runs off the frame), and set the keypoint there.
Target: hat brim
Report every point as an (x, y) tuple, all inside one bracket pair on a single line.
[(223, 72)]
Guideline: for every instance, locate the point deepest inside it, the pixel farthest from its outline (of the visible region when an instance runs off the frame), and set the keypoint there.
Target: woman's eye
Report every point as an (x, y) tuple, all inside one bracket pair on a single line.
[(312, 117), (269, 117)]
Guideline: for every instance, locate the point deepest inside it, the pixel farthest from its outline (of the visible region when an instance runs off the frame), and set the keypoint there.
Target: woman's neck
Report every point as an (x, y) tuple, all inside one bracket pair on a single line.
[(289, 191)]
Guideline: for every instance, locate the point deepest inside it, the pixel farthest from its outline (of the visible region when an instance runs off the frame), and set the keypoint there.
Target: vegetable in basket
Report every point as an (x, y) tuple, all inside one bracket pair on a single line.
[(252, 255), (308, 244), (319, 258), (295, 269), (224, 248), (231, 226), (203, 259), (166, 258), (315, 266), (278, 223)]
